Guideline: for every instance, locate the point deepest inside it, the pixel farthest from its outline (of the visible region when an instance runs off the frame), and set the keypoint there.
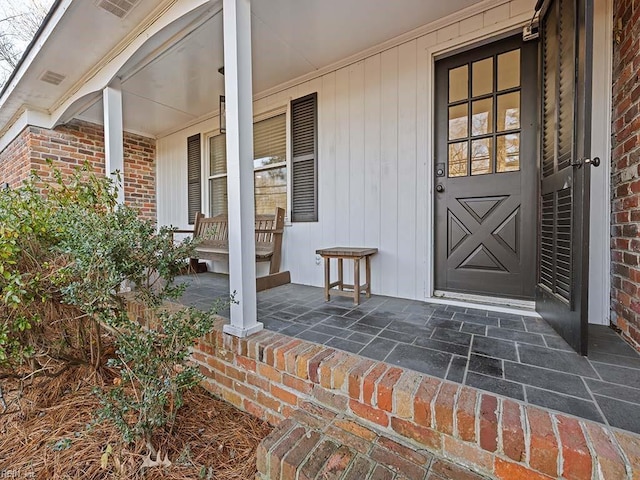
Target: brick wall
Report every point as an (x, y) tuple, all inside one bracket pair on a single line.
[(14, 160), (625, 241), (273, 377), (72, 145)]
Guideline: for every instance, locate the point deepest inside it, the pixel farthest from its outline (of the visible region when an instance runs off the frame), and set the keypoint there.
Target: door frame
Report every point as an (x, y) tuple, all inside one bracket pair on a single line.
[(601, 126)]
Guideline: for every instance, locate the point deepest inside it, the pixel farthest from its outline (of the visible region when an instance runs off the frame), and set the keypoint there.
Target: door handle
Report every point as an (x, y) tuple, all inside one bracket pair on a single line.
[(439, 188), (595, 161)]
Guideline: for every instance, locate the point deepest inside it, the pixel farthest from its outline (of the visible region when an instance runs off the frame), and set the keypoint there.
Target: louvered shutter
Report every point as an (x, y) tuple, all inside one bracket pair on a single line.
[(562, 294), (194, 199), (304, 176), (558, 109)]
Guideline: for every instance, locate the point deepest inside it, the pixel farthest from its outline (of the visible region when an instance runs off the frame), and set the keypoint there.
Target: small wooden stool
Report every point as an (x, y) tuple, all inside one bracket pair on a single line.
[(341, 253)]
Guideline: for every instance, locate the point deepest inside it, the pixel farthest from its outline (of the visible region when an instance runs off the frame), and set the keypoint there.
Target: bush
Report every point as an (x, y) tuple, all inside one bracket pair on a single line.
[(66, 257)]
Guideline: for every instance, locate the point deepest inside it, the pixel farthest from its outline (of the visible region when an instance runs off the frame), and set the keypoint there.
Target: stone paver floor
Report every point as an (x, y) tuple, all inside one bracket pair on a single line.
[(512, 355)]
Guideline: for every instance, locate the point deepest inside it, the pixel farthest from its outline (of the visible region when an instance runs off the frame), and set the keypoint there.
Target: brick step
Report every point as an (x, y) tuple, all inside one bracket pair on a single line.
[(315, 443)]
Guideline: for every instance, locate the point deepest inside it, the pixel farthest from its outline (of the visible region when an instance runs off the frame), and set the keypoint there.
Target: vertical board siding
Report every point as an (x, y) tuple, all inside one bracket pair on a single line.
[(375, 164), (372, 154), (407, 168), (389, 174)]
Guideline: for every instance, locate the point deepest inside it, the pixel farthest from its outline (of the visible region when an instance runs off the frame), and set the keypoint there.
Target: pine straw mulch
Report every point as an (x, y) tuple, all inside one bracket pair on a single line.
[(52, 435)]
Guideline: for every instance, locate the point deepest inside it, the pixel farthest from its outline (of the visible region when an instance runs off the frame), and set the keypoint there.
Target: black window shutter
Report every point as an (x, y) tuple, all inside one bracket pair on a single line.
[(193, 176), (304, 159)]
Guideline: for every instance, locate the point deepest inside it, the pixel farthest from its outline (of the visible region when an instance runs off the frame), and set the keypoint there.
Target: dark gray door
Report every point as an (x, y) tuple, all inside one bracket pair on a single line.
[(563, 278), (485, 170)]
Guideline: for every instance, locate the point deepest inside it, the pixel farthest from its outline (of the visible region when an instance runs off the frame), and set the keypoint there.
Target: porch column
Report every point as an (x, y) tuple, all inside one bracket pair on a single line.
[(113, 136), (239, 128)]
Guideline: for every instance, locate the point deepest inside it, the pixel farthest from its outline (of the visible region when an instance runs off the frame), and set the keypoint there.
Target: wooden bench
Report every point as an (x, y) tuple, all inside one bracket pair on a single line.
[(211, 236)]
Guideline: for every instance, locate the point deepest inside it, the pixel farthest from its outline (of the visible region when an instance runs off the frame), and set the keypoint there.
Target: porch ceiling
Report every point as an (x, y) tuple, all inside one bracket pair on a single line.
[(174, 78)]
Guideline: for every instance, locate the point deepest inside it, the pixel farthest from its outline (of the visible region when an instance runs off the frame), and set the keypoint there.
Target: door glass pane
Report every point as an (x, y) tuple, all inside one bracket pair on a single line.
[(482, 117), (217, 155), (218, 196), (509, 70), (458, 156), (482, 77), (508, 149), (481, 156), (458, 121), (508, 111), (458, 83), (270, 190)]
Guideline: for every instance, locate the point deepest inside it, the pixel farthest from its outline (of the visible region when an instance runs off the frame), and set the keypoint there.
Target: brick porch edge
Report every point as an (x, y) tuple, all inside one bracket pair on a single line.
[(273, 376)]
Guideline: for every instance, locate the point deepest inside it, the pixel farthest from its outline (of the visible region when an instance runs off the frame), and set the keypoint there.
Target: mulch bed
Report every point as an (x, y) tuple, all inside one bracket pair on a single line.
[(51, 434)]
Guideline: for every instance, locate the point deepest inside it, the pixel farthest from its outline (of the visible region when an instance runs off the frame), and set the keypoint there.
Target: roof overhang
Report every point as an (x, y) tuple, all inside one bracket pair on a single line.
[(167, 54)]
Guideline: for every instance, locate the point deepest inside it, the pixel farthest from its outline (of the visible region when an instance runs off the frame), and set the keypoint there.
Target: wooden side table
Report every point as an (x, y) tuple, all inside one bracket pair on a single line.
[(338, 287)]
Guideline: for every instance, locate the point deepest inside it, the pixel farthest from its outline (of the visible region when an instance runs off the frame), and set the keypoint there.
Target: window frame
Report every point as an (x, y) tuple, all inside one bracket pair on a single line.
[(207, 176)]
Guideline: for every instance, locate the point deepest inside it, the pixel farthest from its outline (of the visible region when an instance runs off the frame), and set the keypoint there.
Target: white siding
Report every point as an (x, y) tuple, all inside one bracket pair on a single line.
[(375, 161)]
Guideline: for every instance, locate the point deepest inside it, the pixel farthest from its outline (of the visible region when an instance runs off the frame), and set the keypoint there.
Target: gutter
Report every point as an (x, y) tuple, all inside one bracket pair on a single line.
[(32, 43)]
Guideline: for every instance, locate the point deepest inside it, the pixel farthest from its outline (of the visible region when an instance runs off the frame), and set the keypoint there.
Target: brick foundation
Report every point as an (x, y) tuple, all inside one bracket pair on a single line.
[(625, 181), (274, 376), (75, 143)]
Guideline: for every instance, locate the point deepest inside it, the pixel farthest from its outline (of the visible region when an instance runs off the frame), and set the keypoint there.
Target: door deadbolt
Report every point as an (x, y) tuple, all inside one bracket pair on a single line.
[(439, 188)]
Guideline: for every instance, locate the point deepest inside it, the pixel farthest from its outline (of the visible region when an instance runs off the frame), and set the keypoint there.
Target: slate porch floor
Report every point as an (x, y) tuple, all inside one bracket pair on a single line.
[(511, 355)]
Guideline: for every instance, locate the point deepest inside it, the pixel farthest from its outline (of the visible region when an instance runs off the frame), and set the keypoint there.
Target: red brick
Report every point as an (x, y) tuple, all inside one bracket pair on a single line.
[(385, 388), (370, 413), (316, 361), (576, 458), (337, 464), (410, 454), (512, 471), (423, 435), (286, 443), (302, 362), (269, 372), (489, 423), (279, 350), (610, 462), (544, 445), (468, 454), (332, 400), (339, 375), (444, 407), (326, 368), (356, 429), (297, 384), (630, 445), (466, 414), (369, 383), (284, 395), (356, 376), (316, 460), (246, 363), (404, 392), (425, 395), (398, 464), (512, 432), (294, 458)]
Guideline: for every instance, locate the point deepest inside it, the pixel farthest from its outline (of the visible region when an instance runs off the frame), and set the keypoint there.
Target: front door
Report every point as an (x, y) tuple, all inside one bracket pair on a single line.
[(563, 278), (485, 170)]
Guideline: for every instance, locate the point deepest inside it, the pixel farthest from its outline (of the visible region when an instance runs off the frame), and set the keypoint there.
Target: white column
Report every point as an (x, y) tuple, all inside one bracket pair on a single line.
[(113, 136), (239, 127)]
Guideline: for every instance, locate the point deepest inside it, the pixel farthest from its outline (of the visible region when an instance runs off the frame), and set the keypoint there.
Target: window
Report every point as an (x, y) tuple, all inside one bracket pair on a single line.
[(269, 164)]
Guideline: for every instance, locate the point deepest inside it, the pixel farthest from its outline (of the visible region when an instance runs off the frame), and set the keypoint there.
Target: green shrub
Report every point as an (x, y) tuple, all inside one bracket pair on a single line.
[(66, 258)]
